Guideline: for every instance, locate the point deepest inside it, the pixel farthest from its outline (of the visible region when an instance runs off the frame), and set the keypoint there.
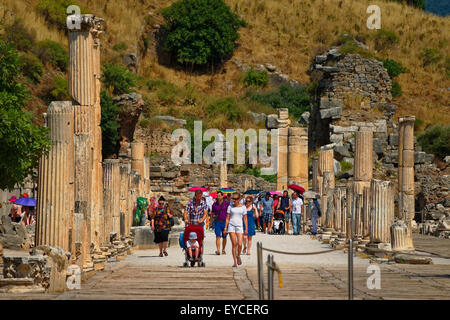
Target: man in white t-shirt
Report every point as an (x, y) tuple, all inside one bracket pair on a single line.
[(297, 212)]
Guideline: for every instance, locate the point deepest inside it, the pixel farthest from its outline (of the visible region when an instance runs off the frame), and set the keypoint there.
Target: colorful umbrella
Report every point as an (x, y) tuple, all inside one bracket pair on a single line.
[(193, 189), (297, 188), (27, 202), (278, 193), (252, 192), (226, 190)]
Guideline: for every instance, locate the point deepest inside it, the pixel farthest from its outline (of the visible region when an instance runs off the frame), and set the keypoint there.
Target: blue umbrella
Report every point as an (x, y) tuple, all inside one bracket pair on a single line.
[(27, 202), (252, 192)]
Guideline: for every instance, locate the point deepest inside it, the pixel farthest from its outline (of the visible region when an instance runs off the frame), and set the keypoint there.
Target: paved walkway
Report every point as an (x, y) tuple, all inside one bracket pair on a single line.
[(145, 275)]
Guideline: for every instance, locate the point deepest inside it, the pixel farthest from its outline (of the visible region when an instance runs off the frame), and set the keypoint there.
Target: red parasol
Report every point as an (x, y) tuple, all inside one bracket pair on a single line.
[(297, 188), (198, 188)]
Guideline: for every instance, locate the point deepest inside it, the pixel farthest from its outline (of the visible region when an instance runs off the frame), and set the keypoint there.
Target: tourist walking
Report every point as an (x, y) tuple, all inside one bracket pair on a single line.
[(219, 215), (234, 225), (297, 212), (196, 210), (267, 207), (29, 215), (316, 213), (284, 204), (160, 223), (16, 210), (252, 215)]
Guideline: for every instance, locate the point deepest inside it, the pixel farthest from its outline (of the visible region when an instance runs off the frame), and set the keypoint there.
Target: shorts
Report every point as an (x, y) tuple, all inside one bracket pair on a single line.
[(287, 216), (162, 236), (267, 217), (236, 229), (218, 229)]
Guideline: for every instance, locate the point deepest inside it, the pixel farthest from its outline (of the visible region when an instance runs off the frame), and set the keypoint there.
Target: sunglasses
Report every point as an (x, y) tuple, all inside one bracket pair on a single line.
[(235, 198), (248, 201)]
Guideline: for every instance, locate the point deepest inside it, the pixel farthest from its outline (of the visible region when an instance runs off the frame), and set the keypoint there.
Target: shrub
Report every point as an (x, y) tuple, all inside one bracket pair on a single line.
[(415, 3), (200, 31), (166, 92), (253, 78), (430, 56), (54, 11), (385, 39), (228, 107), (22, 38), (118, 78), (61, 89), (345, 166), (32, 68), (436, 140), (393, 67), (296, 99), (109, 124), (144, 123), (53, 53), (119, 47), (396, 89)]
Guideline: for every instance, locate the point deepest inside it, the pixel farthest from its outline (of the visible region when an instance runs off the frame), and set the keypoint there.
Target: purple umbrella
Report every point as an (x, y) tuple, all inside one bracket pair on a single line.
[(27, 202)]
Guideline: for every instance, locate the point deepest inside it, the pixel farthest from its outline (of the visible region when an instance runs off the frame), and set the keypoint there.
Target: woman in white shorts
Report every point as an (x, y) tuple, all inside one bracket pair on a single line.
[(237, 215)]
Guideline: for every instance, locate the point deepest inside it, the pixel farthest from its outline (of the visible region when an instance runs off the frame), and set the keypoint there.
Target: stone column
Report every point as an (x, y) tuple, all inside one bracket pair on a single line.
[(223, 177), (358, 215), (124, 210), (135, 180), (137, 157), (382, 210), (298, 156), (349, 205), (327, 208), (54, 206), (84, 88), (115, 197), (326, 163), (282, 173), (108, 181), (363, 154), (366, 213), (315, 172), (406, 208)]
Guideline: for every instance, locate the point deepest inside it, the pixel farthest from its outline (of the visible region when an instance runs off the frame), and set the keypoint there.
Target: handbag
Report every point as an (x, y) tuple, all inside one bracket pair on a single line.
[(172, 221)]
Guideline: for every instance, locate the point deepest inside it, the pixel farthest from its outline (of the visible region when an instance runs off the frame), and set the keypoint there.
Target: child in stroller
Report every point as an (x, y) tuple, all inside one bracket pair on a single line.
[(278, 222), (193, 247)]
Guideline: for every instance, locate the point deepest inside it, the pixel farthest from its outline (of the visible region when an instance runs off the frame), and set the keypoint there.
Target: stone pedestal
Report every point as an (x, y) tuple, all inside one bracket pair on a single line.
[(55, 187), (366, 213), (382, 210), (315, 177)]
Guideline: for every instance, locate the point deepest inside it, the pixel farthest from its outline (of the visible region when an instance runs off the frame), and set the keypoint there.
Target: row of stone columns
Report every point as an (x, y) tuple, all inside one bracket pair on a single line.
[(364, 209), (81, 200), (292, 158)]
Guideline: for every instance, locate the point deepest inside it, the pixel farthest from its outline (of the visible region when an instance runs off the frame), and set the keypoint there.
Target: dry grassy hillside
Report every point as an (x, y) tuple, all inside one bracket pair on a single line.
[(286, 33)]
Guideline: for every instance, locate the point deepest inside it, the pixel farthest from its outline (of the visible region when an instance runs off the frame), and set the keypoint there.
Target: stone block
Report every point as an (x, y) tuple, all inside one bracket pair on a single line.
[(393, 139), (143, 238), (342, 151), (419, 157), (333, 113)]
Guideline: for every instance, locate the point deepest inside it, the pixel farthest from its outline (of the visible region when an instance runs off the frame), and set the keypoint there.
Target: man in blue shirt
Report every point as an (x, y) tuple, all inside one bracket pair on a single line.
[(267, 208)]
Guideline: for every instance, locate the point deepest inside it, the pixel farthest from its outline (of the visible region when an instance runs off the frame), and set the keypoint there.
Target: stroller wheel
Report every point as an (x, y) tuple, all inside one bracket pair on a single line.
[(203, 264), (192, 263), (185, 264)]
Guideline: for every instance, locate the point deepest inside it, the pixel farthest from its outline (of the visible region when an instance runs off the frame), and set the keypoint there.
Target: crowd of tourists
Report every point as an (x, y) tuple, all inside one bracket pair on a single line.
[(236, 215)]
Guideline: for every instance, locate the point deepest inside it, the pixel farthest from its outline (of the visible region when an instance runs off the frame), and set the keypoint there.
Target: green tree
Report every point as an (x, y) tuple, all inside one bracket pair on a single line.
[(21, 142), (118, 79), (201, 31), (109, 124), (436, 140)]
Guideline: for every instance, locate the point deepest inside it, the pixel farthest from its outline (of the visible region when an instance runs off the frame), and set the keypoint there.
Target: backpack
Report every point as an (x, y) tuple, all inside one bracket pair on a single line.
[(316, 203)]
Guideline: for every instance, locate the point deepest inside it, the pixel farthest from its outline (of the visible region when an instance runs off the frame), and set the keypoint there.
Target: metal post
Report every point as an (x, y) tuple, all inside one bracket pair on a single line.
[(260, 270), (270, 276), (350, 269)]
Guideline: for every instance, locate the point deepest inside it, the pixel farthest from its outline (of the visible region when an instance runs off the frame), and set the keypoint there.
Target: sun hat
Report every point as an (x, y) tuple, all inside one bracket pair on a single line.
[(12, 199), (192, 236)]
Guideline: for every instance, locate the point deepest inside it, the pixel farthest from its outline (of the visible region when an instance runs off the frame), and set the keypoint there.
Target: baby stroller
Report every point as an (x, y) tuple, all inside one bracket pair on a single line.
[(184, 237), (278, 222)]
